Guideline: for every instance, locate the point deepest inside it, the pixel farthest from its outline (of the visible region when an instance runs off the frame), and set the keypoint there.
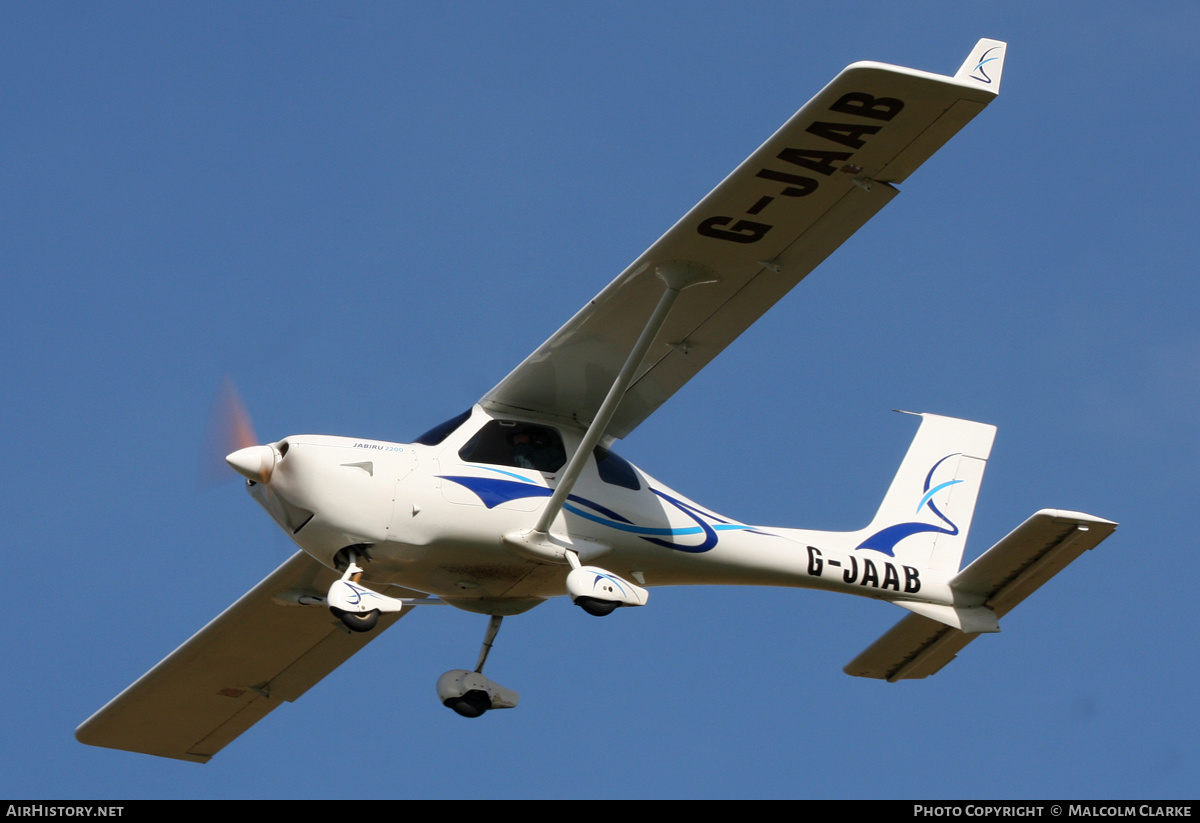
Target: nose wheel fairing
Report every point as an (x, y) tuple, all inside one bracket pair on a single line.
[(355, 605)]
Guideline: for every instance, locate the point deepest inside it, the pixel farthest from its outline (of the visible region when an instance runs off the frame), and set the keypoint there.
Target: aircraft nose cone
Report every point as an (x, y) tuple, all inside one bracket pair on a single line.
[(255, 462)]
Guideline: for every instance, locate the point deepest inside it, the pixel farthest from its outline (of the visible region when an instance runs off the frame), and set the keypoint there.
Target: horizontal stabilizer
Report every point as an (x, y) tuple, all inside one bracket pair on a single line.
[(999, 579), (915, 647), (969, 619), (261, 651), (1030, 555)]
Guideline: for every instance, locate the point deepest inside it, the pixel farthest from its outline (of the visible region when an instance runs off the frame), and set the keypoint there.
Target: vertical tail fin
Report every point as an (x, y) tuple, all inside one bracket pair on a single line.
[(926, 513)]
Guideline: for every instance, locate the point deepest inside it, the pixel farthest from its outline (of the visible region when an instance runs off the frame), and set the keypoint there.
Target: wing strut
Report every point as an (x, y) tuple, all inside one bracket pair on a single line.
[(677, 275)]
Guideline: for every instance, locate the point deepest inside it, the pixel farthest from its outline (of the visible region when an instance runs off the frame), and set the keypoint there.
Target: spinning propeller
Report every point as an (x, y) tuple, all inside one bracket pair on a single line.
[(230, 440)]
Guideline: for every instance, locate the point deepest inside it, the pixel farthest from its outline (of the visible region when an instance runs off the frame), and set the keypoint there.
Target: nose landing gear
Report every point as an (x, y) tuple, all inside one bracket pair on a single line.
[(471, 694)]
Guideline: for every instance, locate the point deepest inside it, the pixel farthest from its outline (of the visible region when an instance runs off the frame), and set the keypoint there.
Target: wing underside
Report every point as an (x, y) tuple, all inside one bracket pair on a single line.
[(827, 171), (261, 651)]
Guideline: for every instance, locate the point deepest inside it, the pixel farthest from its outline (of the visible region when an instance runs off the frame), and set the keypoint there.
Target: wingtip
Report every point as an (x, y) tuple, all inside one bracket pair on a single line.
[(984, 66)]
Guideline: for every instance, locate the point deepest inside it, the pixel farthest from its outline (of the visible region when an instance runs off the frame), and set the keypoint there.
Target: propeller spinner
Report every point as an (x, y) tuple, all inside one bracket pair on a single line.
[(253, 462)]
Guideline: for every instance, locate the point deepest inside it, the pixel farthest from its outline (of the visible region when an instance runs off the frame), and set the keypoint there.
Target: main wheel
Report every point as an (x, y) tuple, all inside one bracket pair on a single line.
[(595, 606), (357, 621), (472, 704)]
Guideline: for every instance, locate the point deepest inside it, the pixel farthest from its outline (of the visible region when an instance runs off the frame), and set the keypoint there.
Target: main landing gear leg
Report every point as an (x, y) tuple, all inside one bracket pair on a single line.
[(492, 630), (470, 693)]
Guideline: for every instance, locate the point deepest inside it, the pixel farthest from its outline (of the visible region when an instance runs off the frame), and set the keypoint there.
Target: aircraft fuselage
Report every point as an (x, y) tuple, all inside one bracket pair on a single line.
[(434, 518)]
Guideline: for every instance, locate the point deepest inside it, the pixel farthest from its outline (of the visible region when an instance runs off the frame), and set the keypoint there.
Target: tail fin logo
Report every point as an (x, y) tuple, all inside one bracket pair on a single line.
[(978, 73), (885, 540)]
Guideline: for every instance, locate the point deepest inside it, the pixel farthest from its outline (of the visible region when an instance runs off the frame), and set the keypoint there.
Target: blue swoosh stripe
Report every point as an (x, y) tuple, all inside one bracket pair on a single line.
[(493, 491), (934, 491), (631, 527)]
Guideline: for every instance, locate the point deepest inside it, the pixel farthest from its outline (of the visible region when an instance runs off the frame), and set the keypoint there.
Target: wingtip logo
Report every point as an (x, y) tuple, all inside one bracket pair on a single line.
[(978, 72), (885, 540)]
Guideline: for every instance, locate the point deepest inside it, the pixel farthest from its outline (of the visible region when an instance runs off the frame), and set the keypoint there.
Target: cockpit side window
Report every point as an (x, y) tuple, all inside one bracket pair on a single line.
[(615, 470), (442, 430), (520, 445)]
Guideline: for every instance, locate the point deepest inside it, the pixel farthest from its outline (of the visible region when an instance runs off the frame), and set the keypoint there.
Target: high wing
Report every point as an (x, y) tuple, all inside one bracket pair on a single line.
[(824, 174), (234, 671), (999, 579)]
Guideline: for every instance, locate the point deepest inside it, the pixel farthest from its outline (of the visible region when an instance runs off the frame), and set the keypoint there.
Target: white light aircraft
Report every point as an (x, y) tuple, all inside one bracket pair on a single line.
[(521, 498)]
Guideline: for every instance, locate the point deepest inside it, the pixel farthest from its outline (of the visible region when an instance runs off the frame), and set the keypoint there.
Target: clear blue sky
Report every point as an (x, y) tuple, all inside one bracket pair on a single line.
[(367, 213)]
